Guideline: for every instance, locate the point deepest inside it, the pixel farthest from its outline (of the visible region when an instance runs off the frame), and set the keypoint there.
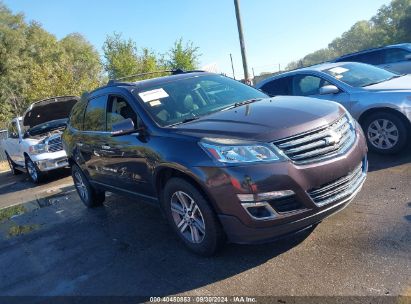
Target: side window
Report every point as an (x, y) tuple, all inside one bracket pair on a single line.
[(13, 131), (95, 118), (118, 109), (305, 85), (395, 55), (374, 57), (276, 87), (77, 115)]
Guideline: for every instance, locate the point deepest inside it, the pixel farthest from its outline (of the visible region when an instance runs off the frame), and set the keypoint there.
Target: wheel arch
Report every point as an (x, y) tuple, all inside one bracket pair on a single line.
[(394, 111), (163, 174)]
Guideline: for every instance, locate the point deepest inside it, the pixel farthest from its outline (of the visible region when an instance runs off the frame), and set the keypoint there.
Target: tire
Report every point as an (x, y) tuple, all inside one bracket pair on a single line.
[(33, 171), (12, 166), (202, 232), (90, 197), (386, 132)]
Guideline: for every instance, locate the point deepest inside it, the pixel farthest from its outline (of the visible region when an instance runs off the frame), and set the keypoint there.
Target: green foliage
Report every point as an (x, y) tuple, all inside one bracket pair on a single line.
[(35, 65), (391, 24), (183, 57), (123, 58)]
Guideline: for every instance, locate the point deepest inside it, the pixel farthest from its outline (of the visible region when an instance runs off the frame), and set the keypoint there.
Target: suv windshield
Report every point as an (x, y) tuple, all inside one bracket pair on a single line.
[(186, 99), (359, 74)]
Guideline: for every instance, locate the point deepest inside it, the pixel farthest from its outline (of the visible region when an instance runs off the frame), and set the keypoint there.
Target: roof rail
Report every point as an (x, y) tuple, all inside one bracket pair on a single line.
[(173, 72)]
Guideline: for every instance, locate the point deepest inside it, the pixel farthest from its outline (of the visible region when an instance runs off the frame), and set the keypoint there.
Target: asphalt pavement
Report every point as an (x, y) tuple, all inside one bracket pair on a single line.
[(125, 248)]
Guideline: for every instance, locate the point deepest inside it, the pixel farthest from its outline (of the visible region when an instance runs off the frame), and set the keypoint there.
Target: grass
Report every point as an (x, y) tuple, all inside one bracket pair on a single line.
[(4, 165), (7, 213), (21, 229)]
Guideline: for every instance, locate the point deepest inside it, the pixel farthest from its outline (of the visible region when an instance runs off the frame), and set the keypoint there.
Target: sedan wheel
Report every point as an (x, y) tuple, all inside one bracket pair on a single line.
[(383, 134), (80, 186), (386, 132), (188, 217)]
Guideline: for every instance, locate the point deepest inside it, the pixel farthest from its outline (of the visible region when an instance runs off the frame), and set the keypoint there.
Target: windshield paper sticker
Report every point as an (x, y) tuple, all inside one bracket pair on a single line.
[(155, 103), (153, 95), (338, 70)]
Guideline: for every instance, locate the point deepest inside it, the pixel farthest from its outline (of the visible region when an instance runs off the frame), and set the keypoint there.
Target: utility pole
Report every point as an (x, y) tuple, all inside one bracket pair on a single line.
[(232, 65), (241, 36)]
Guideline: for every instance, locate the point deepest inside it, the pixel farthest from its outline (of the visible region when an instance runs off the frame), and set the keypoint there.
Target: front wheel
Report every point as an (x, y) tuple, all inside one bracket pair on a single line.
[(386, 132), (88, 195), (34, 173), (192, 217)]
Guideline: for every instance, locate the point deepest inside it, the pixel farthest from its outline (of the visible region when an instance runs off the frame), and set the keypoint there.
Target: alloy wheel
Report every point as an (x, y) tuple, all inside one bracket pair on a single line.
[(80, 186), (187, 217), (383, 134), (32, 170)]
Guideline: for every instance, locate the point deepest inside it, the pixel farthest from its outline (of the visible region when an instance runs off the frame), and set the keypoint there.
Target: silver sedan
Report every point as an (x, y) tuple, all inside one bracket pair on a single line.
[(380, 100)]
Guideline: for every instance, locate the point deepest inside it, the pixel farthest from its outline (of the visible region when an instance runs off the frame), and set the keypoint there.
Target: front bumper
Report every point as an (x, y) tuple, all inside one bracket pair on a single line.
[(50, 161), (224, 184)]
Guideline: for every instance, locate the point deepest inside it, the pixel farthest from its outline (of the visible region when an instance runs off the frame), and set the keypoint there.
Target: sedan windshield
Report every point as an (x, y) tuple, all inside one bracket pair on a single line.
[(359, 74), (187, 99)]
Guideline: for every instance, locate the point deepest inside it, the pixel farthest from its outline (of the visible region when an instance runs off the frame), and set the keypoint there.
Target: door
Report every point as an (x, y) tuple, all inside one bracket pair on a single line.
[(309, 85), (13, 146), (125, 157), (92, 138)]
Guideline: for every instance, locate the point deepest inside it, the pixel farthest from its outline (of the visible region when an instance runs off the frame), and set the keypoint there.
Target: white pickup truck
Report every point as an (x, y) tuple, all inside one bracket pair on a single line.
[(33, 144)]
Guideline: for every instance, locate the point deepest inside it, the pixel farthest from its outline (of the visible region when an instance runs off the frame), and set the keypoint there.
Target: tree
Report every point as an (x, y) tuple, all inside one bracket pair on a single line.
[(182, 57), (121, 58)]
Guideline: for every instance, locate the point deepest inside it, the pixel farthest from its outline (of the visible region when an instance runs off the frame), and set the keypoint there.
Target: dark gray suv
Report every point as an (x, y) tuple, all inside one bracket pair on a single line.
[(221, 159)]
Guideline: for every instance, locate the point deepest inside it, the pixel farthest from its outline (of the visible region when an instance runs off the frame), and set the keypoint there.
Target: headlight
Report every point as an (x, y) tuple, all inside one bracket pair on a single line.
[(241, 153), (38, 149)]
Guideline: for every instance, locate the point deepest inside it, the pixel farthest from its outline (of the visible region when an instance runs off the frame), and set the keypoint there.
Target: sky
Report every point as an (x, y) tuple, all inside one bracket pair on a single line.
[(276, 32)]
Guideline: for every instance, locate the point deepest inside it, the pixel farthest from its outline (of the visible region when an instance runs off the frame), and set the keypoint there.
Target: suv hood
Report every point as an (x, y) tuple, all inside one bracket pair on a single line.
[(48, 109), (266, 120), (402, 83)]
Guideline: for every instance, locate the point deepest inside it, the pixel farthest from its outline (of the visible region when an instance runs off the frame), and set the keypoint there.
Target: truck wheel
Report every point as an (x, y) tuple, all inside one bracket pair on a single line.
[(35, 174), (88, 195), (12, 165), (386, 132), (191, 217)]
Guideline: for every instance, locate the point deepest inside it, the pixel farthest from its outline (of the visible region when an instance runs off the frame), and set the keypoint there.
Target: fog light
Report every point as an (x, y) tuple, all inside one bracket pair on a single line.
[(264, 196)]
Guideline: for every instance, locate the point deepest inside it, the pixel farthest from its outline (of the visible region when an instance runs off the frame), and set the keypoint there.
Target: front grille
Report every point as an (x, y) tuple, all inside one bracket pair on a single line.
[(54, 144), (338, 189), (320, 144)]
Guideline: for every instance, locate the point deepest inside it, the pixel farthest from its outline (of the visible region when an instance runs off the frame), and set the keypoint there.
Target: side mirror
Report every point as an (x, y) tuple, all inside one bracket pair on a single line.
[(123, 127), (329, 89)]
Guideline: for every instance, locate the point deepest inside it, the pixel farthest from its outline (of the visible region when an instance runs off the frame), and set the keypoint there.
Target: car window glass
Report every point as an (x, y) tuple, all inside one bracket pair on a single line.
[(13, 131), (118, 109), (395, 55), (305, 85), (94, 118), (175, 101), (276, 87), (77, 115), (374, 57)]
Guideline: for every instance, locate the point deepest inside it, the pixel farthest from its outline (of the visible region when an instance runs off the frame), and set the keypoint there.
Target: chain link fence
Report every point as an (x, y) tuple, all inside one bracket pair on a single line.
[(3, 135)]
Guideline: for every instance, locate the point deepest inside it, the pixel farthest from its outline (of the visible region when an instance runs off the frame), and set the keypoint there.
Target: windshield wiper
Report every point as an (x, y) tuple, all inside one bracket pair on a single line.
[(377, 82), (241, 103), (184, 121)]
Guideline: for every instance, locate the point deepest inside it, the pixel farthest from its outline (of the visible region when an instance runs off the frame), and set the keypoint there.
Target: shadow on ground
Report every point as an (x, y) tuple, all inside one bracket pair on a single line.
[(379, 161), (13, 183), (122, 248)]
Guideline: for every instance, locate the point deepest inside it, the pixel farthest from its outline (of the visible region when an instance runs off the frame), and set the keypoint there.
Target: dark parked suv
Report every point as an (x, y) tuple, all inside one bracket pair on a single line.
[(220, 158)]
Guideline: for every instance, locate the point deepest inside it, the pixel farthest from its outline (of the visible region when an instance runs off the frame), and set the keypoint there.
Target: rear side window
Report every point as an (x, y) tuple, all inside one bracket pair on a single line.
[(276, 87), (77, 115), (95, 118), (374, 57), (395, 55)]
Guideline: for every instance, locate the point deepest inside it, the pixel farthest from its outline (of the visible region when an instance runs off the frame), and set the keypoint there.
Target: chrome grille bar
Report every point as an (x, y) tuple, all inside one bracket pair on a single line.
[(320, 144)]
